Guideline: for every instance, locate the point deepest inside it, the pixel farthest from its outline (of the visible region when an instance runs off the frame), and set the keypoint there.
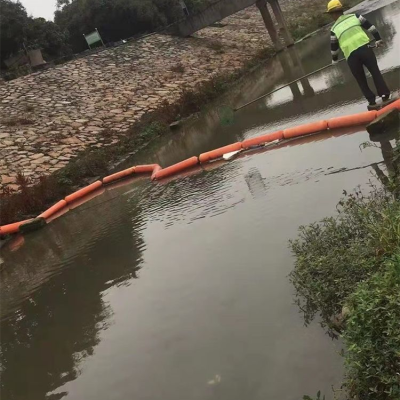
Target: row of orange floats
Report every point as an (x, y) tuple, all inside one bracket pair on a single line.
[(158, 173)]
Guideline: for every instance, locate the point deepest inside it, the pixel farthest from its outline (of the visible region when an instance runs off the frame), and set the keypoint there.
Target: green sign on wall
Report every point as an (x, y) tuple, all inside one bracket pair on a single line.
[(93, 38)]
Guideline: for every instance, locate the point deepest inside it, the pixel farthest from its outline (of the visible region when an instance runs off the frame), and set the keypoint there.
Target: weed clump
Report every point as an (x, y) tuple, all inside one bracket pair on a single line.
[(372, 335), (179, 68), (29, 108), (335, 255), (311, 18), (317, 398), (23, 120), (218, 47), (347, 269)]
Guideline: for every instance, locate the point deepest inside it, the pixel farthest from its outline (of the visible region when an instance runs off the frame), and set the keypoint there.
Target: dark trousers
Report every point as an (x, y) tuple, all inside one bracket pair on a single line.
[(365, 56)]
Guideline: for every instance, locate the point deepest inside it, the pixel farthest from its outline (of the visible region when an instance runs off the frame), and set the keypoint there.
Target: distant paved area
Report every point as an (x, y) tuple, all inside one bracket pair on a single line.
[(244, 29)]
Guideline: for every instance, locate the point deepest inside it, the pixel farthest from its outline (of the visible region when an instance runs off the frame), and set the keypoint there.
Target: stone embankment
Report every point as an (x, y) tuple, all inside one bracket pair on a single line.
[(48, 117)]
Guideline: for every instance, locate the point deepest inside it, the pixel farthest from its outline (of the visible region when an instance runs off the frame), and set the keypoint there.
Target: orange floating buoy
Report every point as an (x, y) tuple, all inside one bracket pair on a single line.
[(217, 153), (58, 214), (17, 243), (95, 189), (142, 169), (83, 192), (306, 129), (84, 199), (125, 182), (269, 137), (196, 169), (155, 170), (119, 175), (53, 209), (352, 120), (391, 106), (174, 169), (13, 228)]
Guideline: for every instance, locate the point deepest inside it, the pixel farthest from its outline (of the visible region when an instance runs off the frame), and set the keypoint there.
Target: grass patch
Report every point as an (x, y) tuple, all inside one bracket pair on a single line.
[(14, 121), (301, 23), (301, 27), (216, 46), (319, 397)]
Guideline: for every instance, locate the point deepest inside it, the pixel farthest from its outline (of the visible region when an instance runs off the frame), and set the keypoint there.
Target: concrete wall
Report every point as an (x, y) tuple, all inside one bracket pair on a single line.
[(212, 14)]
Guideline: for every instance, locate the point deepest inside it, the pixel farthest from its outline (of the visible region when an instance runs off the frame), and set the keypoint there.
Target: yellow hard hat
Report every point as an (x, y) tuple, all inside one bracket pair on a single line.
[(334, 5)]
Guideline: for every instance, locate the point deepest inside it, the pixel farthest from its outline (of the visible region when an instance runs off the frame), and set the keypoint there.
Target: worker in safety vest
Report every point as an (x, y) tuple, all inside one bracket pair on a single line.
[(348, 34)]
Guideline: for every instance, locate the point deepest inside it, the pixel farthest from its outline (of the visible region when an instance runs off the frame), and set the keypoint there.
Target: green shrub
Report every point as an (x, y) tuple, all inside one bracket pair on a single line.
[(334, 256), (372, 336), (153, 130)]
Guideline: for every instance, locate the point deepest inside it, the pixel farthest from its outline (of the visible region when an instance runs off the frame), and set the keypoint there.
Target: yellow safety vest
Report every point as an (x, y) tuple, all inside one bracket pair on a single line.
[(350, 34)]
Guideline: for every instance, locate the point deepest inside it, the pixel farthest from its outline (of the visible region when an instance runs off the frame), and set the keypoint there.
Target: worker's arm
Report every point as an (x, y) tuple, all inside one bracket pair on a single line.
[(369, 27), (334, 48)]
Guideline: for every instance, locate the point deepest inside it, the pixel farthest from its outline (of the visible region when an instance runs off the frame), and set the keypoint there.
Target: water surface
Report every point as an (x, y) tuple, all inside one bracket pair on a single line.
[(179, 289)]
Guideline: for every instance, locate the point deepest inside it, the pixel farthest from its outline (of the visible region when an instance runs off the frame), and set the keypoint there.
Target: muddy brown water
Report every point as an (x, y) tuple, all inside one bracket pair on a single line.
[(179, 289)]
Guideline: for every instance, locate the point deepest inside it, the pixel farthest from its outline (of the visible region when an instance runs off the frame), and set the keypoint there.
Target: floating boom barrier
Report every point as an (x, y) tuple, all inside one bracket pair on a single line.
[(157, 173)]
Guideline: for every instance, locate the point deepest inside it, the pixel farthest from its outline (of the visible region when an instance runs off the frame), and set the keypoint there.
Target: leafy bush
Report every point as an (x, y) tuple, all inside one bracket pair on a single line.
[(372, 336), (13, 20), (47, 36), (349, 266), (334, 256), (16, 28)]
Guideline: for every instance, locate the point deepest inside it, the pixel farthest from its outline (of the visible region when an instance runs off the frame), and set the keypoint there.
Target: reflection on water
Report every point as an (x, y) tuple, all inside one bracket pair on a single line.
[(391, 160), (178, 290), (256, 183), (56, 317)]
